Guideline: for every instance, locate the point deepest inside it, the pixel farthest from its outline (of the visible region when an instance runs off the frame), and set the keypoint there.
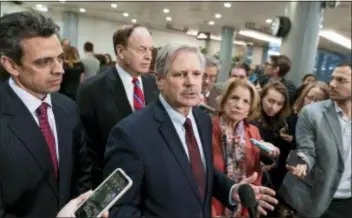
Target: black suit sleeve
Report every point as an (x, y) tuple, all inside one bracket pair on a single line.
[(222, 187), (3, 214), (120, 153), (89, 121), (82, 162)]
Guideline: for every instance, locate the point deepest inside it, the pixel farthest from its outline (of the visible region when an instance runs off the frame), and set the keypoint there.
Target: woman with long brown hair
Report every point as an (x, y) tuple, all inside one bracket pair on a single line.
[(74, 72), (276, 109)]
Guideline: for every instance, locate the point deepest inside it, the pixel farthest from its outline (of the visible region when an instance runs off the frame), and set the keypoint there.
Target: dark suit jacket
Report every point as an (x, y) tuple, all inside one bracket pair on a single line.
[(212, 98), (163, 183), (28, 186), (103, 103)]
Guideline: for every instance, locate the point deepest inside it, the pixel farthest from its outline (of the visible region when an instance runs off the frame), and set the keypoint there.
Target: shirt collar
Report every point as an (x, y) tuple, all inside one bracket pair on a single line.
[(337, 108), (124, 75), (31, 102), (175, 116)]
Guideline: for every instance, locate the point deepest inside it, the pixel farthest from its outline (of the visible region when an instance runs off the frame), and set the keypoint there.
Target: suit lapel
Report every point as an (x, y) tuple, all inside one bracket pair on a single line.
[(174, 143), (118, 92), (148, 90), (27, 130), (64, 135), (334, 125)]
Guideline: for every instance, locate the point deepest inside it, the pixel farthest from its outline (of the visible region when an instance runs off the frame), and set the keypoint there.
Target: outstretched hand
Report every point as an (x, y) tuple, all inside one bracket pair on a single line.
[(264, 195)]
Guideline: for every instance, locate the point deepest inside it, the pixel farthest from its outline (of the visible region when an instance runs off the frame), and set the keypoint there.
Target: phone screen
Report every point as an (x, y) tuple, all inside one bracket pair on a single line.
[(103, 195)]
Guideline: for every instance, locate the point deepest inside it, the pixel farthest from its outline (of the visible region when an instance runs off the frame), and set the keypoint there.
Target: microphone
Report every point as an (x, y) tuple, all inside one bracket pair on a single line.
[(207, 108), (248, 200)]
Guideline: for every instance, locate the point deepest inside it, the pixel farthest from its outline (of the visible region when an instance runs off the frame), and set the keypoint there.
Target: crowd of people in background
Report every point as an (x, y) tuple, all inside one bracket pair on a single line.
[(69, 120)]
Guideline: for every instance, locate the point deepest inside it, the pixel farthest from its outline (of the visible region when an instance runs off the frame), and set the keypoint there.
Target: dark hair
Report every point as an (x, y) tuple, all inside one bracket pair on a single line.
[(121, 36), (307, 75), (101, 58), (88, 47), (283, 62), (16, 27), (345, 64), (245, 67), (110, 59)]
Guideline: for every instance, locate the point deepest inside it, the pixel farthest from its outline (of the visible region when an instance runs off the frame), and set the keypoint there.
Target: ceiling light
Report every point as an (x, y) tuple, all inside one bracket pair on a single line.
[(218, 16), (62, 1), (113, 5), (211, 23), (227, 5), (125, 14), (82, 10), (336, 37), (168, 18), (134, 21), (268, 21), (260, 36), (166, 10), (42, 8)]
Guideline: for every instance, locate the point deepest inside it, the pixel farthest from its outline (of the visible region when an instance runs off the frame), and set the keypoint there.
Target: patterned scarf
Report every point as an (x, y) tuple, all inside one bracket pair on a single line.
[(234, 151)]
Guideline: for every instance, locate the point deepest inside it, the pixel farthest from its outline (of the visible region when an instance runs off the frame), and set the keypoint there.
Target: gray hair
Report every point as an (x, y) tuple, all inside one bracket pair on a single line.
[(15, 27), (167, 54), (211, 61)]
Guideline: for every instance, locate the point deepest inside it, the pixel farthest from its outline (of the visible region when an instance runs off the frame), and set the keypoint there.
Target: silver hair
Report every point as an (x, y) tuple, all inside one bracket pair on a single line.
[(167, 54), (211, 61)]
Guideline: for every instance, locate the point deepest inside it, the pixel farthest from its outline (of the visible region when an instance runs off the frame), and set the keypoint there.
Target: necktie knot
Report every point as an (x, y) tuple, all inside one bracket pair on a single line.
[(188, 124), (42, 109), (135, 81)]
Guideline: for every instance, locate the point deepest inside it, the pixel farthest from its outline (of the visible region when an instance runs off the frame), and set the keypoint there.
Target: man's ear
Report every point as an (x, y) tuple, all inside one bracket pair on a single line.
[(119, 51), (10, 66)]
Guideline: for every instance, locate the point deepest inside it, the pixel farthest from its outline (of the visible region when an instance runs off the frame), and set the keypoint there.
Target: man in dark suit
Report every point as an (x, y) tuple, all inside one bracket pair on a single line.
[(106, 99), (166, 148), (43, 159), (209, 91)]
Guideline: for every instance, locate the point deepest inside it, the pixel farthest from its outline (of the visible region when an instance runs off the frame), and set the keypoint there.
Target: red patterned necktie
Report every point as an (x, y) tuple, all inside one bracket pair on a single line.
[(195, 158), (138, 97), (42, 113)]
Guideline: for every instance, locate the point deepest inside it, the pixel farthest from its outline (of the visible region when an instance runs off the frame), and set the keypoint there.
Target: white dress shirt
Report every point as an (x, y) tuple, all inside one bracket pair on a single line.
[(178, 120), (344, 188), (128, 85), (32, 103)]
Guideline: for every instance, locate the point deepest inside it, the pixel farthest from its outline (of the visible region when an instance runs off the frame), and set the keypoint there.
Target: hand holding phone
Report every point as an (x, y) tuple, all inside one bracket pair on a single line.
[(105, 195)]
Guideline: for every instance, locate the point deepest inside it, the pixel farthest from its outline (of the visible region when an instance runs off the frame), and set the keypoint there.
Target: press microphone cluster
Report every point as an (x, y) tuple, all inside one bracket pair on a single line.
[(247, 198)]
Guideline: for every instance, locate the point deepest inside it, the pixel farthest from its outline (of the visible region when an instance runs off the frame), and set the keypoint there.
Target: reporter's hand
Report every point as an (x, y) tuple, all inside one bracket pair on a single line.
[(300, 170), (286, 137), (274, 151), (264, 195), (266, 168), (69, 209)]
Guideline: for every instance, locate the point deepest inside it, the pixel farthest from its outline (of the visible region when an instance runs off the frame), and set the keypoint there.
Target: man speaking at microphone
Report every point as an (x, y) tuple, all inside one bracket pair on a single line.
[(166, 148)]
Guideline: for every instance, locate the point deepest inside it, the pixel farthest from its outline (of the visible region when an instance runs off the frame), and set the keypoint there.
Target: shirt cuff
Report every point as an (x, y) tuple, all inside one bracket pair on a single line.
[(231, 201)]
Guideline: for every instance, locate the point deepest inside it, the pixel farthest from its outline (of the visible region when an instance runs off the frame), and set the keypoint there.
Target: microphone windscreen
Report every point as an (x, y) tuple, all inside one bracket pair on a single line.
[(247, 196)]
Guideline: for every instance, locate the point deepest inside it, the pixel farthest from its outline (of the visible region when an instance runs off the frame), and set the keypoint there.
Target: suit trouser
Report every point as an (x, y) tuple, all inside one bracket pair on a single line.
[(339, 208)]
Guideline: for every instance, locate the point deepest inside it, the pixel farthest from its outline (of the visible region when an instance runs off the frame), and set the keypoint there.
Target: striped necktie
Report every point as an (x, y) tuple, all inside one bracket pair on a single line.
[(138, 97)]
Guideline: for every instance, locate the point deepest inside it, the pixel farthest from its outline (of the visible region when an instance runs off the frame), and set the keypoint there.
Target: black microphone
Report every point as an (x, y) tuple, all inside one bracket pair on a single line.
[(248, 200)]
